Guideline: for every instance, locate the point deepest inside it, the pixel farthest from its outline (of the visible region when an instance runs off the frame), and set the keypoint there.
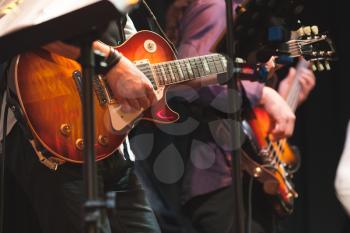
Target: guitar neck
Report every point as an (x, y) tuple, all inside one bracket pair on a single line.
[(293, 95), (294, 91), (183, 70)]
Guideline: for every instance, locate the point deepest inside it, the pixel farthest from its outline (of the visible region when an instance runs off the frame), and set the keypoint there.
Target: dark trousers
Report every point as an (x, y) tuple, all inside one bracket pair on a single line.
[(40, 200), (213, 212)]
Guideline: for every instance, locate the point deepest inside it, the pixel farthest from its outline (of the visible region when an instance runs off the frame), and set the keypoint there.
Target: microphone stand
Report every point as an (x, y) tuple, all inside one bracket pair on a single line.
[(91, 206), (235, 129), (86, 22)]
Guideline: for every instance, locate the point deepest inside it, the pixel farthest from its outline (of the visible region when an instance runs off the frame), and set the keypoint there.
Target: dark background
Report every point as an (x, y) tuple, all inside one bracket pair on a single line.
[(321, 124), (320, 130)]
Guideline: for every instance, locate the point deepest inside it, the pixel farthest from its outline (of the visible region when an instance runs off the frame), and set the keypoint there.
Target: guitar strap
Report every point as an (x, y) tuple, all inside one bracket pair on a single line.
[(43, 154)]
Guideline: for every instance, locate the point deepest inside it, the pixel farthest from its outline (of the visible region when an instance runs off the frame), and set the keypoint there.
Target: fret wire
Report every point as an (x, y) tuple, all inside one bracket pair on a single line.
[(181, 75), (174, 70), (213, 62), (201, 68), (218, 63), (169, 73), (188, 69), (224, 64), (210, 65), (165, 76), (180, 66), (168, 65), (163, 70), (194, 68), (219, 67), (184, 70), (155, 70), (159, 75), (205, 65)]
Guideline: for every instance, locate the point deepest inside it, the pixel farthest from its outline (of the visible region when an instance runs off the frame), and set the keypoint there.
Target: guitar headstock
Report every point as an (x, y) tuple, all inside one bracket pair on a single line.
[(313, 46)]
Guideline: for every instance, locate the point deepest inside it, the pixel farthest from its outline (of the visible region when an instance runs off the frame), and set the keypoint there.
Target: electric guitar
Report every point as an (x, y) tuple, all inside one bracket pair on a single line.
[(48, 87), (274, 163)]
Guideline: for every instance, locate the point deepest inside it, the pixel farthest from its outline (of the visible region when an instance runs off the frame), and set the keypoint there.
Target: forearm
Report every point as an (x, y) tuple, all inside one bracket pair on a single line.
[(73, 52)]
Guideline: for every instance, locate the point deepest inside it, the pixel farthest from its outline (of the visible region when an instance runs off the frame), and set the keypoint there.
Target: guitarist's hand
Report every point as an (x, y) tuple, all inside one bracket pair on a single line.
[(280, 112), (307, 82), (130, 86)]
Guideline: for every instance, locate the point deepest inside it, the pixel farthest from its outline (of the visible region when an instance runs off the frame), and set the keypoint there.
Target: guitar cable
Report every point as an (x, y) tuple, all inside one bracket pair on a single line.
[(250, 208), (159, 28), (2, 168)]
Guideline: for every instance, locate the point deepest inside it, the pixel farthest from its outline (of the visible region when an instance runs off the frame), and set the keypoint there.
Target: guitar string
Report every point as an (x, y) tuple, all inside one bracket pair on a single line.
[(295, 45), (281, 144), (199, 67)]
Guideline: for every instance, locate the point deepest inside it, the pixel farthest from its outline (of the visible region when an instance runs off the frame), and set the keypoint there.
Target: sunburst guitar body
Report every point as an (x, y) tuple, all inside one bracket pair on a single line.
[(278, 159)]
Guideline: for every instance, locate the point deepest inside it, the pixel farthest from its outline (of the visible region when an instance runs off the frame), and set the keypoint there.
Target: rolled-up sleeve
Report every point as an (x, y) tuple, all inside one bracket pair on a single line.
[(202, 26)]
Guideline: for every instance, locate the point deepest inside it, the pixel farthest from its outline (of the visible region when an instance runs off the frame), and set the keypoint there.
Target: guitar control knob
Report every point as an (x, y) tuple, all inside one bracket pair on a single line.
[(103, 140), (66, 129), (314, 30), (79, 144), (307, 30), (320, 66)]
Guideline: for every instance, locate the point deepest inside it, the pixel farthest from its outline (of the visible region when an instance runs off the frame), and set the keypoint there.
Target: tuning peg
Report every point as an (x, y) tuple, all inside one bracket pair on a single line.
[(320, 66), (239, 60), (307, 30), (330, 53), (327, 65), (300, 32), (314, 30), (313, 66)]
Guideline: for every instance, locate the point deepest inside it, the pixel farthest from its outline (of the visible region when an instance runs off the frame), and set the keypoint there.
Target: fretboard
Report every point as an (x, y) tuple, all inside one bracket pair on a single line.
[(183, 70), (293, 95), (295, 88)]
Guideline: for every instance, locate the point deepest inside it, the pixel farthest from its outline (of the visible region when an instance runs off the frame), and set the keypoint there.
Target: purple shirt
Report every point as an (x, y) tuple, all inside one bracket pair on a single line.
[(203, 23)]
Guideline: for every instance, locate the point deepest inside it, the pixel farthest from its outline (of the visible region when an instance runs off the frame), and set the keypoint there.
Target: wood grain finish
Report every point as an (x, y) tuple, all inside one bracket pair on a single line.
[(262, 125), (286, 161), (50, 99)]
